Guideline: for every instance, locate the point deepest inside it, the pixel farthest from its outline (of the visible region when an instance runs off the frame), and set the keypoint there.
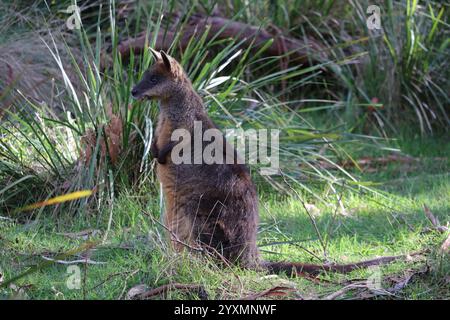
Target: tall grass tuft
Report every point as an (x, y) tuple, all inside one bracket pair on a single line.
[(404, 76)]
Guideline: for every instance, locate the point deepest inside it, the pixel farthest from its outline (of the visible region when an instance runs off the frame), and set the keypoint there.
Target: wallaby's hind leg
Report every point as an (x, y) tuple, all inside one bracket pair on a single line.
[(232, 244)]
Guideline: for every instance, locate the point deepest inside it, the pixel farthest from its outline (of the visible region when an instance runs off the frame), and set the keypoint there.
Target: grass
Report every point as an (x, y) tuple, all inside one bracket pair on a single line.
[(135, 253)]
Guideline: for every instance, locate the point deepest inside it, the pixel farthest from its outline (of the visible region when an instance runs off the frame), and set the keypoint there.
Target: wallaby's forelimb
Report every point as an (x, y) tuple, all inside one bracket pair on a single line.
[(161, 155), (164, 152), (154, 148)]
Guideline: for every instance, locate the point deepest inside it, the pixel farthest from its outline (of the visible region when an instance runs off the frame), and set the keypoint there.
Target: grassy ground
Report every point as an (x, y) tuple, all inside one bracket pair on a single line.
[(389, 222)]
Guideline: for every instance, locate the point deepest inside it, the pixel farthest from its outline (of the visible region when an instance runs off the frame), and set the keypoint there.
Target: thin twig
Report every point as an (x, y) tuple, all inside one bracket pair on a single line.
[(86, 260), (313, 221), (125, 280), (333, 217), (340, 292), (175, 237), (7, 218)]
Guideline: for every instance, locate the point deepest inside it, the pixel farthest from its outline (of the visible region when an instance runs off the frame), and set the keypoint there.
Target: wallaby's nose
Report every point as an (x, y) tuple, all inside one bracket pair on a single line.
[(134, 92)]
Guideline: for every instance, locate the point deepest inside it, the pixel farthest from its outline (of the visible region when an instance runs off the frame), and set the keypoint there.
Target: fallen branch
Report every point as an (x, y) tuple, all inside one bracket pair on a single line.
[(219, 28)]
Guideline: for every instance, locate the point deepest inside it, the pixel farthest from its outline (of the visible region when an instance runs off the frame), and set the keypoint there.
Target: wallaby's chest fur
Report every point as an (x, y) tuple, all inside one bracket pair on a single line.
[(214, 205)]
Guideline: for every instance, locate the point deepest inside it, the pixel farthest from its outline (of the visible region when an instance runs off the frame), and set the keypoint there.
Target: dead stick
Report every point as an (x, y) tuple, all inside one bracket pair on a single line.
[(177, 286)]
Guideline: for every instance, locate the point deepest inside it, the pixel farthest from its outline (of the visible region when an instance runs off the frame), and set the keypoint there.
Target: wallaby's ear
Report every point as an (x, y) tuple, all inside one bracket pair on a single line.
[(155, 53), (166, 60)]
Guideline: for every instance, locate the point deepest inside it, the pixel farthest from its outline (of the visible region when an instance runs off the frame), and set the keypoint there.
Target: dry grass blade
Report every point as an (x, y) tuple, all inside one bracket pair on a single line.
[(25, 67), (59, 199), (110, 140)]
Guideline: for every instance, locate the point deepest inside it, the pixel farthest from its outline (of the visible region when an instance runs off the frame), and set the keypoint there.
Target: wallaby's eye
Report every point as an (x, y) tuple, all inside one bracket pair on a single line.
[(153, 80)]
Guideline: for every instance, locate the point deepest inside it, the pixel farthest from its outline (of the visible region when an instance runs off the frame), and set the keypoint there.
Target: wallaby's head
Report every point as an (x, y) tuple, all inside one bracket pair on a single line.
[(164, 78)]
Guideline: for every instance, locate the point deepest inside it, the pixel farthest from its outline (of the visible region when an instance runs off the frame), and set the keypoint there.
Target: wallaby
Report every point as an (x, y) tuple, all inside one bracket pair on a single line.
[(211, 204)]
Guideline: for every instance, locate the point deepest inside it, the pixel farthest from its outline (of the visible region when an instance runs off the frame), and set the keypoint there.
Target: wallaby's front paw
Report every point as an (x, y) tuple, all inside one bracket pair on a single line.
[(154, 150), (165, 152)]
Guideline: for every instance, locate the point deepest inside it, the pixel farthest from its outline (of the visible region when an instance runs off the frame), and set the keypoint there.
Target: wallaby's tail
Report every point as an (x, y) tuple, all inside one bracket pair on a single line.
[(293, 268)]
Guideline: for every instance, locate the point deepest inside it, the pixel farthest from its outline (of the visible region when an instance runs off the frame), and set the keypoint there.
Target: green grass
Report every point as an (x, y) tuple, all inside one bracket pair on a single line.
[(389, 223)]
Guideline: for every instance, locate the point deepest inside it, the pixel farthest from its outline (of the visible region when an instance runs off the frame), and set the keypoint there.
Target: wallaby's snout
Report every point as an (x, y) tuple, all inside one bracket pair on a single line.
[(147, 87), (159, 80), (142, 89), (135, 93)]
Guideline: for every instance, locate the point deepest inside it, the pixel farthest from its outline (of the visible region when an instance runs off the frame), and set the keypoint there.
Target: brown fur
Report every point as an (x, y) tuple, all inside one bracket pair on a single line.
[(215, 205)]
